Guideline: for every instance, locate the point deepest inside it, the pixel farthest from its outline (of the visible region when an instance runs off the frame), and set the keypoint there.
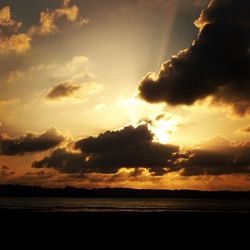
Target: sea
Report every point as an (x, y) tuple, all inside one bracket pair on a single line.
[(125, 204)]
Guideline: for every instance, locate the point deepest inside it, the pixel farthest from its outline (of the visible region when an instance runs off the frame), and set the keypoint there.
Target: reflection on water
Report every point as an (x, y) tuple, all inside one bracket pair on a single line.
[(131, 204)]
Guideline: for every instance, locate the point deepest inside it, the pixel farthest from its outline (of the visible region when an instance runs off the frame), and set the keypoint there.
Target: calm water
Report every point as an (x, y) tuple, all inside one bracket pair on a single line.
[(117, 204)]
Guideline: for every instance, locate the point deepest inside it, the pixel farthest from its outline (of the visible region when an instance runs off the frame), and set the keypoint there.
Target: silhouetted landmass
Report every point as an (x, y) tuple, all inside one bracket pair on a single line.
[(35, 191)]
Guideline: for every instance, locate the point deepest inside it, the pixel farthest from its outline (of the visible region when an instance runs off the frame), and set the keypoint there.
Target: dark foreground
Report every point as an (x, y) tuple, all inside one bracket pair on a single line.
[(175, 226)]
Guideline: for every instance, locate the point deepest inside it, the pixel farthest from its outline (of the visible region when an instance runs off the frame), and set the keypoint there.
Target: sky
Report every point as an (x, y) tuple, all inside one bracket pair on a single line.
[(133, 93)]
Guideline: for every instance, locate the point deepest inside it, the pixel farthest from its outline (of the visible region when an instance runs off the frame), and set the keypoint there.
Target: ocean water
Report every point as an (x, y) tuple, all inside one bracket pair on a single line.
[(126, 204)]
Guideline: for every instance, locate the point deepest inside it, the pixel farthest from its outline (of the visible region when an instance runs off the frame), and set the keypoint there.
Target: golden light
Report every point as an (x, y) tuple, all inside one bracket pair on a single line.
[(163, 129)]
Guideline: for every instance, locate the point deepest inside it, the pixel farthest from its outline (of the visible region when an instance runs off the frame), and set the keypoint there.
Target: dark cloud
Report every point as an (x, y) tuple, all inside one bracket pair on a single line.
[(63, 90), (227, 159), (129, 147), (5, 167), (63, 161), (40, 178), (30, 142), (245, 129), (133, 147), (112, 140), (6, 172), (217, 64)]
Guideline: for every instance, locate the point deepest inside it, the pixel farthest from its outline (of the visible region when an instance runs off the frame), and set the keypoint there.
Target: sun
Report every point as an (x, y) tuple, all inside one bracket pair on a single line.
[(163, 129)]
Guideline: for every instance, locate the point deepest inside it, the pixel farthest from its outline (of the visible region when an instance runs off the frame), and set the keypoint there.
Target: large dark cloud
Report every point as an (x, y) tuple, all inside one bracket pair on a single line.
[(129, 147), (133, 147), (227, 159), (114, 140), (30, 142), (217, 64)]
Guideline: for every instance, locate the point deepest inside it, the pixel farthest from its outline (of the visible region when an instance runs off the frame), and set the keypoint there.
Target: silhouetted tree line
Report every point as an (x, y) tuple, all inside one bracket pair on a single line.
[(35, 191)]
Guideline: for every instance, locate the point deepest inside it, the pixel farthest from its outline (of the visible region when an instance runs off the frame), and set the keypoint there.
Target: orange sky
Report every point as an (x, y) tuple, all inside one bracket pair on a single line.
[(79, 104)]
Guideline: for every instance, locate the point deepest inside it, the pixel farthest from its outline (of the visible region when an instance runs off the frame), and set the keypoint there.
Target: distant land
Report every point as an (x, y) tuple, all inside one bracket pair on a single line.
[(36, 191)]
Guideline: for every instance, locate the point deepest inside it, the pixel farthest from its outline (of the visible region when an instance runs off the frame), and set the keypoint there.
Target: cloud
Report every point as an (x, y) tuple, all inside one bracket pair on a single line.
[(30, 142), (20, 43), (133, 150), (9, 42), (4, 167), (76, 70), (112, 140), (168, 3), (80, 83), (40, 178), (7, 102), (14, 76), (129, 147), (7, 21), (217, 63), (49, 18), (6, 172), (217, 159), (71, 90), (62, 160), (63, 90), (244, 130)]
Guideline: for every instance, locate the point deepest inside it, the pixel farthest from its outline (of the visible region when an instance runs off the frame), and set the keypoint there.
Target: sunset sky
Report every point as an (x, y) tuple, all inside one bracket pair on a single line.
[(125, 93)]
